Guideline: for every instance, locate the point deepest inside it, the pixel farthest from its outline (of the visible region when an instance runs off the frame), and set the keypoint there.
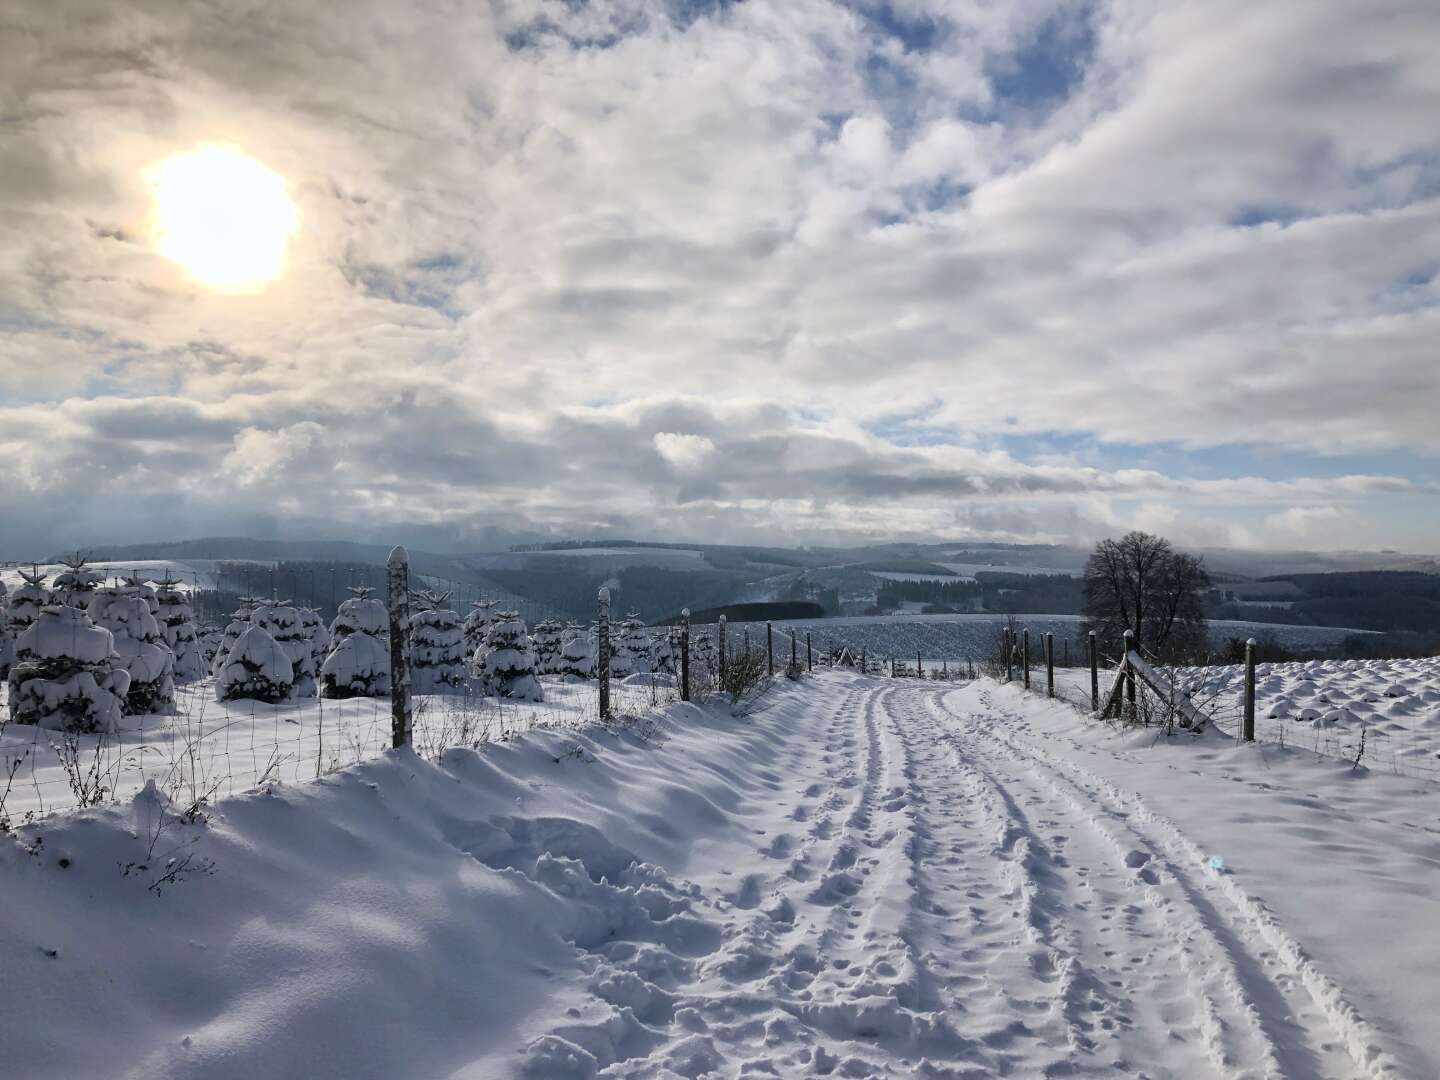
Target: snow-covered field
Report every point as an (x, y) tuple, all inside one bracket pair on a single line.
[(974, 637), (862, 877)]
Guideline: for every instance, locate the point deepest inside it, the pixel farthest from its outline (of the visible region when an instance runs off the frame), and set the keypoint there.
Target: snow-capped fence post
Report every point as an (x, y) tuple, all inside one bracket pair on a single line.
[(1094, 673), (1025, 655), (809, 653), (1127, 674), (397, 574), (720, 665), (1049, 664), (685, 654), (1250, 690), (602, 653), (769, 648)]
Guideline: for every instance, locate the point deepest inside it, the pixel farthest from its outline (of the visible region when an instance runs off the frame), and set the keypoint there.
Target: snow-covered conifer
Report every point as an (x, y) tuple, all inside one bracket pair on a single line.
[(631, 648), (7, 639), (664, 651), (508, 662), (548, 639), (317, 636), (257, 669), (177, 623), (361, 614), (238, 624), (283, 622), (66, 674), (76, 584), (27, 600), (577, 656), (140, 646), (477, 625), (437, 646)]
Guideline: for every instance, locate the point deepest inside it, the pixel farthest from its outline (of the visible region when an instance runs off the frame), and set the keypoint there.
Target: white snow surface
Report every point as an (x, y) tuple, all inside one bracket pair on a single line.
[(861, 877)]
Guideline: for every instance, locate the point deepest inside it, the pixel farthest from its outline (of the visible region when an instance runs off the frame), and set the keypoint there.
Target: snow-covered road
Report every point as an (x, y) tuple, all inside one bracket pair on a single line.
[(864, 877)]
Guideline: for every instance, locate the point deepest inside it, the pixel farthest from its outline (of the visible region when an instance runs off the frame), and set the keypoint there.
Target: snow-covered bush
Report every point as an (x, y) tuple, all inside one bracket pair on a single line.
[(359, 666), (27, 600), (210, 638), (630, 648), (703, 656), (140, 646), (437, 647), (284, 623), (477, 625), (359, 660), (548, 639), (361, 614), (238, 624), (577, 655), (665, 651), (508, 662), (7, 639), (75, 585), (317, 636), (143, 589), (65, 674), (256, 668), (177, 623)]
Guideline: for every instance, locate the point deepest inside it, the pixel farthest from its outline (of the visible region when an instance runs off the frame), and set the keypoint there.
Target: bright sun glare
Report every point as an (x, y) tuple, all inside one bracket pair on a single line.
[(223, 216)]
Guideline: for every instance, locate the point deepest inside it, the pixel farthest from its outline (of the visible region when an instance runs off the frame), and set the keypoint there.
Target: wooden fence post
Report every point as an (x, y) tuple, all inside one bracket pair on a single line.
[(1008, 636), (685, 654), (397, 575), (892, 667), (1094, 674), (809, 653), (1025, 655), (602, 653), (769, 648), (720, 669), (919, 667), (1250, 690), (1130, 675), (1049, 664), (794, 654)]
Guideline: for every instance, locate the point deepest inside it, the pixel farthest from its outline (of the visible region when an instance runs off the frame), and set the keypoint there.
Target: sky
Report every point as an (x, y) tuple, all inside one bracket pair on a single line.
[(791, 271)]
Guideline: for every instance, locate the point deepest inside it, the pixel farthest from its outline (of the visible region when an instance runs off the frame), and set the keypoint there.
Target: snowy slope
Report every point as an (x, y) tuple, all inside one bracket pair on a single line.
[(864, 877)]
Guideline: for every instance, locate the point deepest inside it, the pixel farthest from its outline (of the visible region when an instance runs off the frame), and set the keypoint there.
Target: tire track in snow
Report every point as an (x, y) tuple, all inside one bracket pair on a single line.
[(1311, 1025)]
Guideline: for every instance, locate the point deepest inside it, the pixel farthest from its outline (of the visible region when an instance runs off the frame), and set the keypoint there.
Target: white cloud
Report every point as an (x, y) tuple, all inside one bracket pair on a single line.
[(767, 209)]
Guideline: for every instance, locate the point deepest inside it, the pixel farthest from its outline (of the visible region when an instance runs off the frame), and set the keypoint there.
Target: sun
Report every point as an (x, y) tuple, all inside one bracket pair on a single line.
[(223, 216)]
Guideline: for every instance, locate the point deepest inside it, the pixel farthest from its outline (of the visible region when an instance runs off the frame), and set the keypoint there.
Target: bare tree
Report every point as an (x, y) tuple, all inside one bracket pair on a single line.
[(1141, 583)]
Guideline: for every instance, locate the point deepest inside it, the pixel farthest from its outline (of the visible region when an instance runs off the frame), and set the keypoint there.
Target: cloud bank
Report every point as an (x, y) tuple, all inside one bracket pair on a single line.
[(788, 270)]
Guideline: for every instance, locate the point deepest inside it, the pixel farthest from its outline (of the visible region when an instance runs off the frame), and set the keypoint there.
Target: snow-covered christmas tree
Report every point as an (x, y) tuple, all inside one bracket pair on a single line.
[(7, 639), (703, 657), (665, 651), (66, 675), (359, 660), (631, 647), (76, 584), (577, 655), (256, 669), (140, 646), (283, 622), (177, 623), (477, 625), (509, 662), (548, 639), (27, 600), (361, 614), (145, 591), (238, 624), (437, 646), (317, 636)]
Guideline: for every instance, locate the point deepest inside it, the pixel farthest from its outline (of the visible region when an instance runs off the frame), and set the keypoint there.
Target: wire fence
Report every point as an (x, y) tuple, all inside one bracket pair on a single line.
[(1381, 715)]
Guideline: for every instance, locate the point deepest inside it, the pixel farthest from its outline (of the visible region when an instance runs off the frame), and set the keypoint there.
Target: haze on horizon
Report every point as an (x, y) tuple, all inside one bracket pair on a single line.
[(780, 271)]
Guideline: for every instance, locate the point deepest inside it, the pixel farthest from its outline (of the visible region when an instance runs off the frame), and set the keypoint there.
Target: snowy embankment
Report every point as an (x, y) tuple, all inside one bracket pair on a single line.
[(862, 877)]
